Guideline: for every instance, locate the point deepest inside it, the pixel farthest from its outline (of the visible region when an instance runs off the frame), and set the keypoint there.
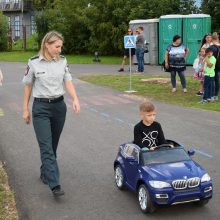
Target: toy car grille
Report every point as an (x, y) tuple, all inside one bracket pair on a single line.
[(183, 184), (179, 184), (193, 182)]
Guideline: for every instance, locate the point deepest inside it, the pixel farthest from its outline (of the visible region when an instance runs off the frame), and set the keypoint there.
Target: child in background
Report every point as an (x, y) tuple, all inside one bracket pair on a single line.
[(199, 68), (148, 133), (209, 74)]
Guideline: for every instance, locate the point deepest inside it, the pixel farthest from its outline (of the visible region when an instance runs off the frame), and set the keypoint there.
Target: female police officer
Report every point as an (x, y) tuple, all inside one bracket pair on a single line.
[(46, 75)]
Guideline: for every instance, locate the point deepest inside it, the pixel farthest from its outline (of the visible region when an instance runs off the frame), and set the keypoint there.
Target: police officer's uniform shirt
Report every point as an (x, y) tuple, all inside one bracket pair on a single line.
[(47, 77)]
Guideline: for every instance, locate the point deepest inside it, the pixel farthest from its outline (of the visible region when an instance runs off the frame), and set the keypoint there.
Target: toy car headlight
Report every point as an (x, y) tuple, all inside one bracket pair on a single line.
[(159, 184), (205, 178)]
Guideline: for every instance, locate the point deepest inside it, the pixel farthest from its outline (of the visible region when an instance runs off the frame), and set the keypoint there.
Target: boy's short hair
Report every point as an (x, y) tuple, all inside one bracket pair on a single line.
[(141, 28), (146, 106), (208, 50)]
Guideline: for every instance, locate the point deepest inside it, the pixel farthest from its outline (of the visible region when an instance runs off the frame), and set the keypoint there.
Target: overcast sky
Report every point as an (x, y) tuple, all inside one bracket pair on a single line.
[(198, 2)]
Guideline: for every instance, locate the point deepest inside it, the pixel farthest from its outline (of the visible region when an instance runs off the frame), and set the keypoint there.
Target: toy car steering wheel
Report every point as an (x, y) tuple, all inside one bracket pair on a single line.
[(163, 145)]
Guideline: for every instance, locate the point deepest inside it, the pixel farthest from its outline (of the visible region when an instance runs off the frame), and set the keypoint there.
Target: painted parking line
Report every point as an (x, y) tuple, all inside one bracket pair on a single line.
[(104, 114), (93, 110), (119, 120), (203, 153)]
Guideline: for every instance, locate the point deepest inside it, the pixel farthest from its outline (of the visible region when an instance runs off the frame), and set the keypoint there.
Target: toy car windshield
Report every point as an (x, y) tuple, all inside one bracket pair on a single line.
[(161, 156)]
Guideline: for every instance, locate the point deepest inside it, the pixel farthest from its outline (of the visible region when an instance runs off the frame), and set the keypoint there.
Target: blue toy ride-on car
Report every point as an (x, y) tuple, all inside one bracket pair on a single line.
[(164, 176)]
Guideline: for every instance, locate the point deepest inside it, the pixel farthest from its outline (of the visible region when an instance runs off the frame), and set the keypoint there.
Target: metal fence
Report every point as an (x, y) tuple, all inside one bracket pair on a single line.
[(20, 32)]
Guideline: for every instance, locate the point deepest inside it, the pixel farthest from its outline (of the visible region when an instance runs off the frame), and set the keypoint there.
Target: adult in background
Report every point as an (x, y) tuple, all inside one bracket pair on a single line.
[(175, 61), (126, 54), (216, 53), (140, 40), (47, 75), (207, 41)]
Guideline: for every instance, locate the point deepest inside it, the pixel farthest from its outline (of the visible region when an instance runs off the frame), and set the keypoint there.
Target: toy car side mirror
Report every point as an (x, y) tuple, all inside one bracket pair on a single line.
[(191, 152)]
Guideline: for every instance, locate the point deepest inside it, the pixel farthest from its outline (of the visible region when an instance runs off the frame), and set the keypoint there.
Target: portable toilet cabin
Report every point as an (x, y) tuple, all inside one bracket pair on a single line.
[(195, 26), (169, 26), (151, 38)]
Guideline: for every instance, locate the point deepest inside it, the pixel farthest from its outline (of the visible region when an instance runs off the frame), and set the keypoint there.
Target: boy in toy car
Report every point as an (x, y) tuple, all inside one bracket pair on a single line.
[(148, 133)]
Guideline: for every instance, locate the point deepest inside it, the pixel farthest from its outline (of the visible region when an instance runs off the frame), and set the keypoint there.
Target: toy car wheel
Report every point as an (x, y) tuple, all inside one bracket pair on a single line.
[(144, 200), (119, 177), (202, 202)]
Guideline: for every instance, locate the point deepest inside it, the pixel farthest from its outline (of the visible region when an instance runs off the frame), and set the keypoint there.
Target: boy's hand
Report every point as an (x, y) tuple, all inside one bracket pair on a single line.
[(152, 148), (206, 58)]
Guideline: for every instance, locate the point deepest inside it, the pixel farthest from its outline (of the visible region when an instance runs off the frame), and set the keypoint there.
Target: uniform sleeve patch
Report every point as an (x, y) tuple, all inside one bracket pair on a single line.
[(67, 69), (27, 71), (35, 57)]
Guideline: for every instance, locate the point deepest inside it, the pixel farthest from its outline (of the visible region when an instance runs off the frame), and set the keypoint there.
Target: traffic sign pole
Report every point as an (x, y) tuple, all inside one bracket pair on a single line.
[(129, 43), (130, 69)]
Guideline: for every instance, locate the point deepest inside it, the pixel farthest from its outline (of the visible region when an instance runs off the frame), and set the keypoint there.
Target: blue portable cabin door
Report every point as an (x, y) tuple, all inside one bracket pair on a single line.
[(169, 26), (194, 28)]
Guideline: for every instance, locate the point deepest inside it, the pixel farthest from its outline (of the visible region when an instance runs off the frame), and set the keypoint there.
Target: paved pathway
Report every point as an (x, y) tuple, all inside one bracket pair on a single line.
[(88, 146)]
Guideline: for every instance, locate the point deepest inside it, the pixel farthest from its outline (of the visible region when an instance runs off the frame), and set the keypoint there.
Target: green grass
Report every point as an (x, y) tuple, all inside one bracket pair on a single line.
[(23, 56), (7, 202), (160, 92)]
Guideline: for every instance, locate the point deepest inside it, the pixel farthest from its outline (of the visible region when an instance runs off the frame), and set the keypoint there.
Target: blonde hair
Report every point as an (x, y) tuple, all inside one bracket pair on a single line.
[(146, 106), (49, 38)]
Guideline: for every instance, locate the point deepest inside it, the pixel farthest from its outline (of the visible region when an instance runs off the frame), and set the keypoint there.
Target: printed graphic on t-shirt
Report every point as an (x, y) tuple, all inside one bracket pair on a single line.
[(176, 56), (150, 139)]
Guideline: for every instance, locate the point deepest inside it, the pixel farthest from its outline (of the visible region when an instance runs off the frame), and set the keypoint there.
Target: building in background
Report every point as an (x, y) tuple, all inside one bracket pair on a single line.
[(20, 17)]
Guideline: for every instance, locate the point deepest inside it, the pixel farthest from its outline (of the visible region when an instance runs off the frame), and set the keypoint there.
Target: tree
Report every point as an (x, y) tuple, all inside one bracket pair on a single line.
[(212, 7), (3, 32), (96, 25), (42, 21), (188, 7), (40, 5), (68, 17)]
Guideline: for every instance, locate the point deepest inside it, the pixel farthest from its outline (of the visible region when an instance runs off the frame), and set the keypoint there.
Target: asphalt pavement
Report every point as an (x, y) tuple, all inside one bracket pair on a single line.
[(88, 147)]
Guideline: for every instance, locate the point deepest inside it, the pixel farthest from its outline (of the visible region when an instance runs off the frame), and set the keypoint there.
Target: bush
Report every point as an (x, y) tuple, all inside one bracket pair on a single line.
[(3, 32), (42, 21)]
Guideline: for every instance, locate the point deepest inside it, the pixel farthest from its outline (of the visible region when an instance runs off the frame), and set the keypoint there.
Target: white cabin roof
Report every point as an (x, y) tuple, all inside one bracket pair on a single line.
[(144, 21)]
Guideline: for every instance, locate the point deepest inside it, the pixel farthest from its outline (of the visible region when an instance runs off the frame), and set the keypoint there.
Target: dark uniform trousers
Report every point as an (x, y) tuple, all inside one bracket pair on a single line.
[(48, 121)]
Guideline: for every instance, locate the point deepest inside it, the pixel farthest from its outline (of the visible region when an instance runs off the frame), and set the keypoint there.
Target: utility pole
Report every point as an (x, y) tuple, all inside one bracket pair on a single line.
[(23, 26)]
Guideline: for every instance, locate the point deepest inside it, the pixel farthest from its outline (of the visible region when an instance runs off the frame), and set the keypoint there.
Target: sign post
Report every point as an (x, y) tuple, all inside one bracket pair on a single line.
[(129, 43)]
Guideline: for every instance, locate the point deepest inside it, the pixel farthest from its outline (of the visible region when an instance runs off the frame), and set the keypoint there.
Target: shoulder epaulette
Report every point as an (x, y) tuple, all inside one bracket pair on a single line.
[(34, 57)]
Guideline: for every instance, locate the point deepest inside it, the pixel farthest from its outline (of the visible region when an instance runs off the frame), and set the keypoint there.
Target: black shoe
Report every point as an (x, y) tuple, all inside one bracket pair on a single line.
[(57, 191), (121, 70), (199, 94), (43, 179)]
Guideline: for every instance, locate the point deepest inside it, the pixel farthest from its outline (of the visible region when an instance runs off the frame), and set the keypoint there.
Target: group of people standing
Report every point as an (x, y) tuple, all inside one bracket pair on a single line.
[(206, 65), (138, 51), (207, 68)]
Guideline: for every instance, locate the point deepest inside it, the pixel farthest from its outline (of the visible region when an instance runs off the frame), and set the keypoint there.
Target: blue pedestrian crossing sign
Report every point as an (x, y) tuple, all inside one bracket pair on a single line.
[(129, 41)]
